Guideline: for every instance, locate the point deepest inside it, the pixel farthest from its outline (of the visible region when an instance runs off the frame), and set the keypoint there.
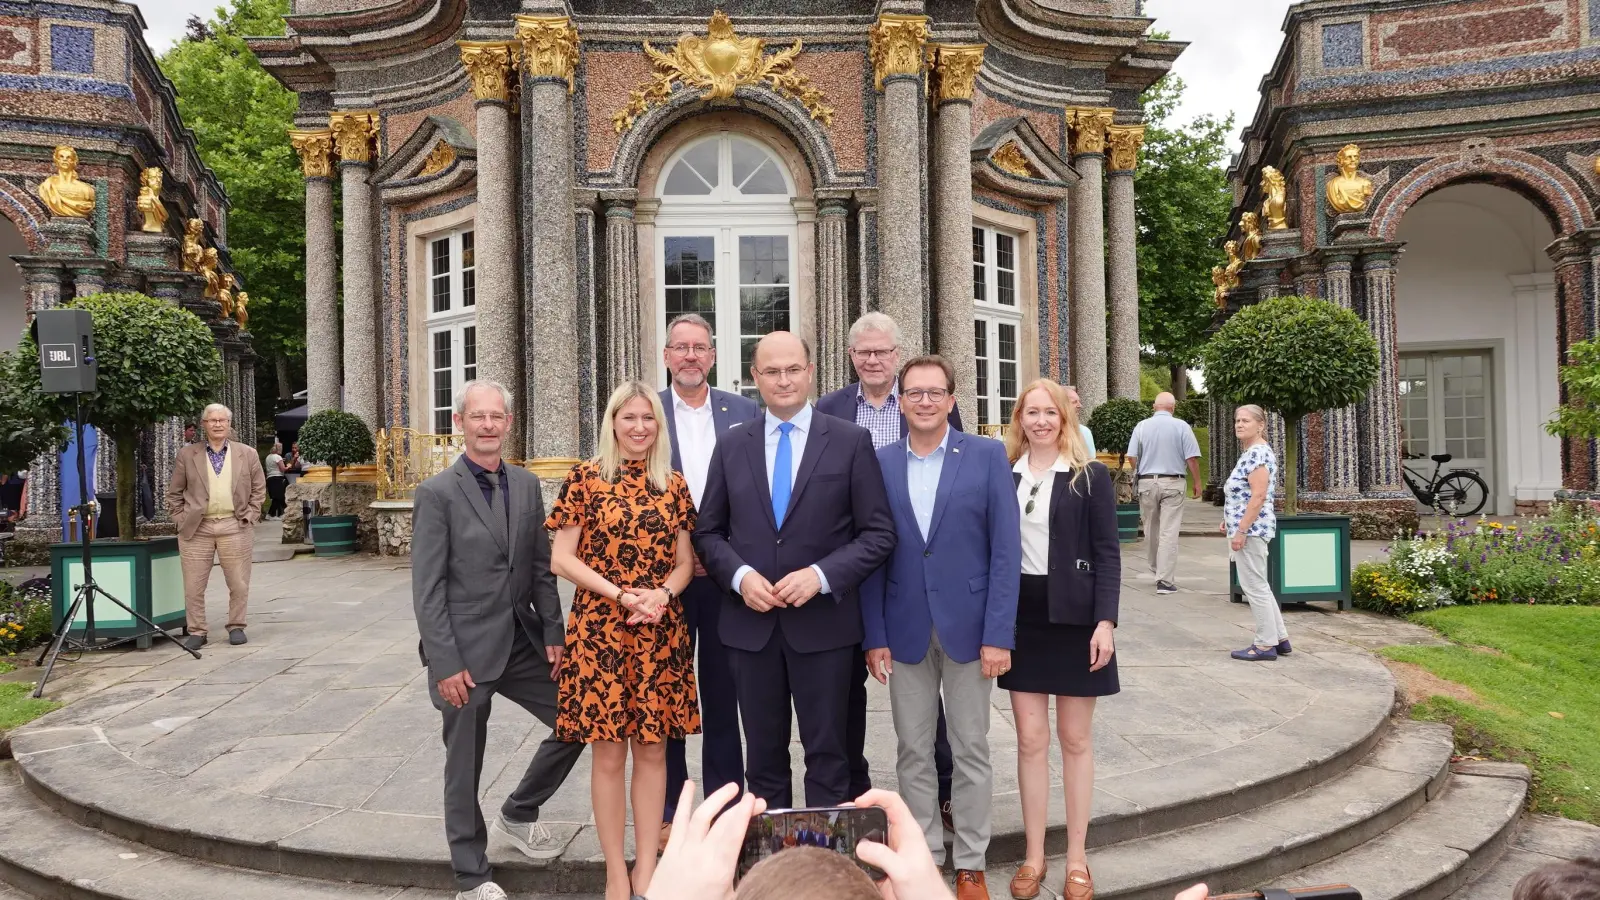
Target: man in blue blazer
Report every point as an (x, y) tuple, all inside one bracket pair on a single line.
[(794, 518), (697, 415), (940, 616)]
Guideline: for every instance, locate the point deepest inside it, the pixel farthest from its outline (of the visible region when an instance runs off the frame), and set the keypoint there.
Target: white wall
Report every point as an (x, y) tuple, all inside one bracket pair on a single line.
[(11, 294), (1474, 275)]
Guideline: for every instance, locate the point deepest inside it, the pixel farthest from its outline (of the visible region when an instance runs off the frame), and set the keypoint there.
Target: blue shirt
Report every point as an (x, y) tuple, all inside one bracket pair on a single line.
[(797, 447), (922, 480), (882, 421), (1236, 493), (1163, 445)]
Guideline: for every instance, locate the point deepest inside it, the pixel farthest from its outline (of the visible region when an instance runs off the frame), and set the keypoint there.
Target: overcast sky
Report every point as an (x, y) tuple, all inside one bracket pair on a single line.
[(1232, 42)]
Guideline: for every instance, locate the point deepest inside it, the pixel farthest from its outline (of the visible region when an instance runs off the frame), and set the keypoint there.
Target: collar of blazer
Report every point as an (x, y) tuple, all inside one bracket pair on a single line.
[(900, 490), (468, 485)]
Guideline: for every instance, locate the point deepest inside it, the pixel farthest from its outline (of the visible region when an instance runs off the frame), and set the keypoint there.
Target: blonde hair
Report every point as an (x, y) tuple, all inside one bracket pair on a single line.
[(657, 462), (1069, 441)]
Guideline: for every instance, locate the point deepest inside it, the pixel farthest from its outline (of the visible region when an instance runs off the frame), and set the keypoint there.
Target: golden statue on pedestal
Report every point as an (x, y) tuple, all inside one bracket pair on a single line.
[(1274, 203), (62, 192), (225, 295), (241, 311), (208, 268), (1349, 191), (193, 253), (1250, 228), (1226, 278), (149, 202)]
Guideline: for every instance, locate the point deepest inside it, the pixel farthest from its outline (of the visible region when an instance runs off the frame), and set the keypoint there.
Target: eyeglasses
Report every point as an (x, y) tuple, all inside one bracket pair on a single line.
[(874, 354), (791, 373), (689, 349), (479, 418), (918, 395), (1032, 493)]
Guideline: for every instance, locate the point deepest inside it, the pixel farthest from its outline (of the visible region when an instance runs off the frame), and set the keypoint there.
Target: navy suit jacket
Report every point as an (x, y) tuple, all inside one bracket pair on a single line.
[(962, 580), (1084, 585), (841, 404), (838, 520), (727, 410)]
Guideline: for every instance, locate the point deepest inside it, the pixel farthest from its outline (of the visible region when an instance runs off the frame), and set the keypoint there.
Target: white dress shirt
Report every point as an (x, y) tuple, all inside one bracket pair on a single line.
[(922, 481), (1036, 525), (797, 450), (697, 437)]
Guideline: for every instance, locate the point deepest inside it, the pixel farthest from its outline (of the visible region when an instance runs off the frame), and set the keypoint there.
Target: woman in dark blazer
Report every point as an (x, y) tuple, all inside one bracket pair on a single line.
[(1066, 610)]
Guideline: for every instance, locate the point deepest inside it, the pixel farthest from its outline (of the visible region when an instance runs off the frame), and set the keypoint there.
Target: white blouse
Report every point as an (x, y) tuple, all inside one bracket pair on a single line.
[(1036, 525)]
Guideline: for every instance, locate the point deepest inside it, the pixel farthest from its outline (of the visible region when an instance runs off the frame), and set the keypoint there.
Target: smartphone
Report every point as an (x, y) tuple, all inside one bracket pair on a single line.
[(1321, 892), (836, 828)]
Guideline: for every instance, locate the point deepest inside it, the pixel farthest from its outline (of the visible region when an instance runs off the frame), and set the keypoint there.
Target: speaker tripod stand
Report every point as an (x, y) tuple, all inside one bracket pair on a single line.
[(83, 595)]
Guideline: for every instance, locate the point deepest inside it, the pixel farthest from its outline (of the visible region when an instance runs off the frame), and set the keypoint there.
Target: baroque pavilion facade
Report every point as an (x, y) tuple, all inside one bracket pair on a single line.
[(952, 164)]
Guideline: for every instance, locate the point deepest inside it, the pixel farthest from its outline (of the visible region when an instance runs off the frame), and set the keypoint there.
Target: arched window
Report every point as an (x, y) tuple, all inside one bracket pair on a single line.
[(726, 233)]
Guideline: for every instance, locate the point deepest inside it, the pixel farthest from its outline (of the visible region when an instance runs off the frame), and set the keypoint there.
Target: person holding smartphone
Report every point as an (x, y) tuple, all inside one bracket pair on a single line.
[(1066, 611)]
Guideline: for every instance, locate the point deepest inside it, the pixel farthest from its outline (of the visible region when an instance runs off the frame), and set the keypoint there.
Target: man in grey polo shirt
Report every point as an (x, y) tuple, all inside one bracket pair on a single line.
[(1161, 448)]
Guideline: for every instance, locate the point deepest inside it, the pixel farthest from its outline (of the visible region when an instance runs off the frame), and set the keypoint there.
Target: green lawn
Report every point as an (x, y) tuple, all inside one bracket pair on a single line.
[(17, 708), (1536, 673)]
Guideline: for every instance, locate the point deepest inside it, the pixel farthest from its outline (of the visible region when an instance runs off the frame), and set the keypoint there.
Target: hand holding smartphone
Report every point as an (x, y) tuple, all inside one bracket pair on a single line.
[(836, 828)]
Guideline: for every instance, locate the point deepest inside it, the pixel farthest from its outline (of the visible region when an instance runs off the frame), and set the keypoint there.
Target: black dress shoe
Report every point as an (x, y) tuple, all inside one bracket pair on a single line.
[(236, 636), (194, 642)]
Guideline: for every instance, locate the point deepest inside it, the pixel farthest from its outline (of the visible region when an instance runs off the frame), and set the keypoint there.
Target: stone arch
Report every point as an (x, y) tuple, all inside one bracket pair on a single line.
[(25, 212), (1552, 189)]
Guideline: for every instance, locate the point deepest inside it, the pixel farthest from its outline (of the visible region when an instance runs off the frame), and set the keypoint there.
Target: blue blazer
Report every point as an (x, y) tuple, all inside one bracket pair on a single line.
[(841, 404), (838, 520), (727, 410), (963, 580)]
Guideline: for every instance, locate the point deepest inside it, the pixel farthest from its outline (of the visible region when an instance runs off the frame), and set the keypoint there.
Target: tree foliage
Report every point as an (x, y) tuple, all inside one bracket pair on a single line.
[(337, 439), (239, 115), (27, 426), (155, 361), (1183, 207), (1292, 356), (1579, 417), (1113, 421)]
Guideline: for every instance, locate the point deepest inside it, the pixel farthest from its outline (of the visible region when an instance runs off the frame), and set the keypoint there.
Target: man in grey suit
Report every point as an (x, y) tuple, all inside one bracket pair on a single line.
[(489, 616)]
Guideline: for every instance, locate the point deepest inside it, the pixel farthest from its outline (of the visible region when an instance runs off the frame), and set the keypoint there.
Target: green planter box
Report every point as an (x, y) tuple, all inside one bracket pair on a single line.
[(333, 535), (146, 575), (1308, 562), (1127, 522)]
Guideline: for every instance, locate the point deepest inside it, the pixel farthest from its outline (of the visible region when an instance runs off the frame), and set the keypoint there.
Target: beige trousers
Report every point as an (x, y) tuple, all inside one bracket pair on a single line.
[(1161, 505), (230, 542)]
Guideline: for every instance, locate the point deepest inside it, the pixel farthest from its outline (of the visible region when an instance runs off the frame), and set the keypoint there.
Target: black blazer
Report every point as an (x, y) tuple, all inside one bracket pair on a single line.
[(841, 404), (1085, 578), (838, 519)]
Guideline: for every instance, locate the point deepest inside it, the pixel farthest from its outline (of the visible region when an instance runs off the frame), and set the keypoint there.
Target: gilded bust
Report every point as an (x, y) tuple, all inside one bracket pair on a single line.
[(193, 253), (63, 192), (241, 311), (1274, 203), (208, 268), (1250, 229), (225, 295), (1349, 191), (149, 203)]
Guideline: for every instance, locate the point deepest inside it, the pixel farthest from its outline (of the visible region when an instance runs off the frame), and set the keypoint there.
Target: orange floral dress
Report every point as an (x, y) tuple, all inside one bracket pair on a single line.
[(621, 681)]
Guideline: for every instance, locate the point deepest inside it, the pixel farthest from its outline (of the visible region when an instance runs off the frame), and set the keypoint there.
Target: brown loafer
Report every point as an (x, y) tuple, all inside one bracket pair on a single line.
[(1025, 884), (970, 885), (1079, 886)]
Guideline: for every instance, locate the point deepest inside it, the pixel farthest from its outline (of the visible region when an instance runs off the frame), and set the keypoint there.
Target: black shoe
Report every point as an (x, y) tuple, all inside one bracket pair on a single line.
[(194, 642), (236, 636), (1166, 587)]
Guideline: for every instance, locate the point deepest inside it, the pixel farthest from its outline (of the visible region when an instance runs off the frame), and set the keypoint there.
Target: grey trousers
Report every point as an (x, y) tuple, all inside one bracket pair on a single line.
[(1161, 506), (526, 682), (1251, 563), (914, 691)]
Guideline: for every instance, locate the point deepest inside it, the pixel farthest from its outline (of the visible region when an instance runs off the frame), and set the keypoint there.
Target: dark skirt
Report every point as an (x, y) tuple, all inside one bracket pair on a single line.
[(1052, 658)]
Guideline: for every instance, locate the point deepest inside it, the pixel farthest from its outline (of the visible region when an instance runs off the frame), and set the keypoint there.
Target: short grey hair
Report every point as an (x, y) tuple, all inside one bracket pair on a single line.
[(1253, 411), (460, 403), (694, 319), (873, 321), (214, 407)]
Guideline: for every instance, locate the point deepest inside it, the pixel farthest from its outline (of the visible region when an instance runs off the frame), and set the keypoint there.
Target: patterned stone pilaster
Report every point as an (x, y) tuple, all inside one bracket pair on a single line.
[(1343, 476), (168, 440), (897, 44), (1088, 285), (833, 292), (354, 134), (1223, 447), (1380, 439), (43, 291), (324, 371), (1576, 317), (951, 177), (88, 280), (245, 415), (231, 393), (1123, 267), (105, 463), (623, 351)]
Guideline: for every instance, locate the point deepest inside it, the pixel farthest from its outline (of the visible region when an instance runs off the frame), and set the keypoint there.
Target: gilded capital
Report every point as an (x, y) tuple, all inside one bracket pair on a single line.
[(354, 134), (1125, 141), (895, 45), (955, 67), (490, 64), (549, 47), (316, 151), (1089, 124)]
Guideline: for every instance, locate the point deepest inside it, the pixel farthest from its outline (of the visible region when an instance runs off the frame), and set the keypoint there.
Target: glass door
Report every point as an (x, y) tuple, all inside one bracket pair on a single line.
[(1445, 408), (740, 280)]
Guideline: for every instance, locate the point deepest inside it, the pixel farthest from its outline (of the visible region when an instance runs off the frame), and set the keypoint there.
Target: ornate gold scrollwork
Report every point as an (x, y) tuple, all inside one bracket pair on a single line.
[(354, 134), (895, 44), (1274, 201), (490, 64), (717, 65), (1089, 124), (316, 151), (1008, 157), (1124, 142), (955, 68), (549, 47), (439, 159)]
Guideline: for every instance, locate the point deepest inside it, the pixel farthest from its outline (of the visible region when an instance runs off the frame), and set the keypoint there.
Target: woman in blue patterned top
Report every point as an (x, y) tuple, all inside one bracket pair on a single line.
[(1250, 523)]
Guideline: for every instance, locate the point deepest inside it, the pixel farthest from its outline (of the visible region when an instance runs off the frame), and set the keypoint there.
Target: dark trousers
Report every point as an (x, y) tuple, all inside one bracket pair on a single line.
[(860, 777), (818, 685), (721, 753), (526, 682), (277, 485)]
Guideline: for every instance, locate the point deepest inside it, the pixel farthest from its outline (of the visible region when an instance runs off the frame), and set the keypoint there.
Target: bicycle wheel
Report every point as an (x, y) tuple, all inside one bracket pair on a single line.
[(1461, 494)]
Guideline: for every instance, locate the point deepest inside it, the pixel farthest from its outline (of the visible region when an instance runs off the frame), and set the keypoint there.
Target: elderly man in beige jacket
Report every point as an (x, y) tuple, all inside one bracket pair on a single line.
[(215, 498)]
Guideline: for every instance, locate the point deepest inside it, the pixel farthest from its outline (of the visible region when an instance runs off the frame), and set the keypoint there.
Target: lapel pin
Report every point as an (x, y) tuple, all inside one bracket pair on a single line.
[(955, 449)]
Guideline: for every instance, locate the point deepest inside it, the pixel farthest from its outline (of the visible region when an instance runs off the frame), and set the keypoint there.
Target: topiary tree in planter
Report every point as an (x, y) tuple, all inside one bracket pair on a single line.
[(336, 439), (28, 429), (1292, 356), (1112, 423), (155, 360)]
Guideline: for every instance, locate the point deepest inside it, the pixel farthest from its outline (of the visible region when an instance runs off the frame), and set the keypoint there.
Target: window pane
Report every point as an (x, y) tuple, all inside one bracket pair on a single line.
[(696, 173), (439, 272), (763, 259), (979, 287), (1005, 287), (980, 333), (442, 423), (1005, 265), (469, 287), (468, 250), (442, 386), (469, 353), (1007, 352), (441, 351), (691, 260)]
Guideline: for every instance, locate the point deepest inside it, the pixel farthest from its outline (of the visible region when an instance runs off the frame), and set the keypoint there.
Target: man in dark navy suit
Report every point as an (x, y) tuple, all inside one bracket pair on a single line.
[(697, 415), (793, 520)]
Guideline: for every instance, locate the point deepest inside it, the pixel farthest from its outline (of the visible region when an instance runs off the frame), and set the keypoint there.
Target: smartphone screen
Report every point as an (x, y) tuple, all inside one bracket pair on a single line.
[(836, 828)]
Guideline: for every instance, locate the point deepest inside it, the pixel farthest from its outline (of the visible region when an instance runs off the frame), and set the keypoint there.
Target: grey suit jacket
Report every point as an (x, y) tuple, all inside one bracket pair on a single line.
[(472, 582)]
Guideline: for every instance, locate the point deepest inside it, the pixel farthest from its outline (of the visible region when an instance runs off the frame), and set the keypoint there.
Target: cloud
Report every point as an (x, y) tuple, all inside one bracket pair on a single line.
[(164, 20), (1232, 44)]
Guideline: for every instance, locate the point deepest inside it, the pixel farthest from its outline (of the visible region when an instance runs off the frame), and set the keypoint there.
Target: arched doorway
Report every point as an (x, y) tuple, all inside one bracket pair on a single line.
[(1476, 319), (726, 246), (13, 297)]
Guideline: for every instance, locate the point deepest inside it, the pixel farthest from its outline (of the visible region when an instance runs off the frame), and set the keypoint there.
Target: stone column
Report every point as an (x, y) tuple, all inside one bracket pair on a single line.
[(230, 391), (623, 341), (1339, 425), (245, 416), (955, 67), (1381, 441), (833, 291), (354, 134), (168, 440), (491, 64), (87, 280), (549, 56), (43, 285), (323, 368), (1124, 142), (896, 46), (1088, 241)]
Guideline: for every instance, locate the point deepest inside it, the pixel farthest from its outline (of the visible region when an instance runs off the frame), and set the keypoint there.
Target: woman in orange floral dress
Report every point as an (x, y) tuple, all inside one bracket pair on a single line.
[(622, 528)]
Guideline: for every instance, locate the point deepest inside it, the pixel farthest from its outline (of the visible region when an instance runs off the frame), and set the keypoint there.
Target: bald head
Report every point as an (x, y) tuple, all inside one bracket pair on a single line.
[(1165, 402), (781, 365), (785, 342)]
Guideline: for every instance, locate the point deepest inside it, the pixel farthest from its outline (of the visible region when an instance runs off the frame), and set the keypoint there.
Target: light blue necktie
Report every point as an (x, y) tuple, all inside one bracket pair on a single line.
[(782, 474)]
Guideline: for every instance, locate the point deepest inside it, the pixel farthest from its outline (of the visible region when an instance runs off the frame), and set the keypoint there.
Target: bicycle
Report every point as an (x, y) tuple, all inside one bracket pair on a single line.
[(1457, 493)]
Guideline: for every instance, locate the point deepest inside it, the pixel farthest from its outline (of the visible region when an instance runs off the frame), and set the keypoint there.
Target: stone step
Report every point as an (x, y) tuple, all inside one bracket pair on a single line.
[(1406, 769), (1540, 840)]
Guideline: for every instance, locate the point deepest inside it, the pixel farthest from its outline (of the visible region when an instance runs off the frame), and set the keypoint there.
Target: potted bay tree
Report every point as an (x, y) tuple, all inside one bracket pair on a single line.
[(336, 439), (1294, 356), (1112, 423)]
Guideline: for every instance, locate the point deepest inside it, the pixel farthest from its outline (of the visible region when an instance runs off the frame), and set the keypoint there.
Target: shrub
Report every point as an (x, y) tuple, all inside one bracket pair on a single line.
[(336, 439), (1113, 422), (1195, 411), (24, 617), (1378, 587)]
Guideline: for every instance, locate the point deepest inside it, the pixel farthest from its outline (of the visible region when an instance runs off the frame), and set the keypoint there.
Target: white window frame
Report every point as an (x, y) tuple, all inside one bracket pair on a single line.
[(457, 320), (992, 316)]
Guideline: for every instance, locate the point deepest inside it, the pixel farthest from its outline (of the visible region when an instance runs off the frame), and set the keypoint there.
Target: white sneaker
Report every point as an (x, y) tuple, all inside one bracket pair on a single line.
[(486, 891), (533, 839)]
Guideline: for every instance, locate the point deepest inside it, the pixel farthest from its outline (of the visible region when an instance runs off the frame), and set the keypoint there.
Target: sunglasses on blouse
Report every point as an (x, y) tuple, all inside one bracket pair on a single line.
[(1032, 493)]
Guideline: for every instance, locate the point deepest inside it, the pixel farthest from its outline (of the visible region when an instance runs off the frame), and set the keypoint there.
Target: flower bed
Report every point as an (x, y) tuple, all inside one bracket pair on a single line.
[(1549, 560), (24, 618)]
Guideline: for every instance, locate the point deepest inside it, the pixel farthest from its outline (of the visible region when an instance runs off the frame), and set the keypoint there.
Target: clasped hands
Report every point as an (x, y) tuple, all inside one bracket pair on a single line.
[(792, 590), (646, 605)]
